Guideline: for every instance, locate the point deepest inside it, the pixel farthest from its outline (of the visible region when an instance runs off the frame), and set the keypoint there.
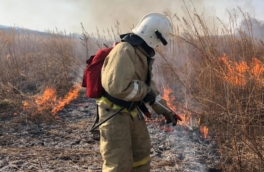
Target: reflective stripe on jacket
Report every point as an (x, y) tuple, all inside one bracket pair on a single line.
[(104, 101), (124, 74)]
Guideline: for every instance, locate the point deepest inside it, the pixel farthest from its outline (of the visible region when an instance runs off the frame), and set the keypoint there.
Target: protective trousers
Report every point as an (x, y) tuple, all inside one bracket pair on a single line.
[(124, 142)]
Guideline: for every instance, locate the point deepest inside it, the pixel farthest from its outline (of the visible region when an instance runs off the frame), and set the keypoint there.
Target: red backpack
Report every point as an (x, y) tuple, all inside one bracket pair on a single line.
[(92, 73)]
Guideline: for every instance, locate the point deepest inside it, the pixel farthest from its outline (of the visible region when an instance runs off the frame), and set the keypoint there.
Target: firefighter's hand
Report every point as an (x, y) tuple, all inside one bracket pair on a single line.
[(170, 118), (150, 98)]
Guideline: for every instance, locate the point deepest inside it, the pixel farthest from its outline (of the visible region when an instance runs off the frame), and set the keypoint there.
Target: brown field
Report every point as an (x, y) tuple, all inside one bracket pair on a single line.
[(216, 74)]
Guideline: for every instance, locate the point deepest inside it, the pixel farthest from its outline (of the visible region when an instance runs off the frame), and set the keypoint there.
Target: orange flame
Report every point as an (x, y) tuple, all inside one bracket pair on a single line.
[(73, 94), (41, 103), (204, 131), (167, 95), (170, 99), (186, 117), (240, 74), (49, 101), (48, 98), (257, 68)]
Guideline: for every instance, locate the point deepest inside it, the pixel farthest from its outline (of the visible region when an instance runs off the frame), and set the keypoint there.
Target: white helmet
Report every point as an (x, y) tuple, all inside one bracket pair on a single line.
[(153, 29)]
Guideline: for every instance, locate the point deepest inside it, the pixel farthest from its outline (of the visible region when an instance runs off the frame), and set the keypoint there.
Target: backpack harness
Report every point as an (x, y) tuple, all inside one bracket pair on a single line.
[(94, 88)]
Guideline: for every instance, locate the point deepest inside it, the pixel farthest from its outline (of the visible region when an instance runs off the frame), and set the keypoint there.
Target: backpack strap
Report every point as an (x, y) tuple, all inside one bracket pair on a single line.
[(129, 105)]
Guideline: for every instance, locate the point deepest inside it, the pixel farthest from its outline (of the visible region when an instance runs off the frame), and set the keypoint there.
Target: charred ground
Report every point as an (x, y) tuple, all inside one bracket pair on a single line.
[(66, 144)]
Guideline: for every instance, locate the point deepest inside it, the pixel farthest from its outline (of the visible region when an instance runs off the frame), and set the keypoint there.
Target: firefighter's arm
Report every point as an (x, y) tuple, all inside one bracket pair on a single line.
[(118, 72)]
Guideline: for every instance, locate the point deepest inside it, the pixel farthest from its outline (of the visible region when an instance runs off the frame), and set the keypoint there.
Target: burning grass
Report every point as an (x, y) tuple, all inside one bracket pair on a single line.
[(32, 62), (240, 74), (214, 80), (48, 103), (223, 72)]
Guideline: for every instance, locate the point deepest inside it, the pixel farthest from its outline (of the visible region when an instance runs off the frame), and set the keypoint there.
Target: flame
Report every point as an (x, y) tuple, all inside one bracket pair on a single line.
[(186, 117), (204, 131), (48, 101), (48, 98), (41, 103), (73, 94), (168, 96), (257, 68), (169, 99), (239, 74)]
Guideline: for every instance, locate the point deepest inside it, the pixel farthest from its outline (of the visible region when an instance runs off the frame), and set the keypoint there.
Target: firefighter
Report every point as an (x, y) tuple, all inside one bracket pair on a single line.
[(127, 80)]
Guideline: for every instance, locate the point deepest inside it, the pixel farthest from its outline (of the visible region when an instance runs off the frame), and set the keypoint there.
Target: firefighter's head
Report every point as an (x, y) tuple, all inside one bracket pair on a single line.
[(154, 28)]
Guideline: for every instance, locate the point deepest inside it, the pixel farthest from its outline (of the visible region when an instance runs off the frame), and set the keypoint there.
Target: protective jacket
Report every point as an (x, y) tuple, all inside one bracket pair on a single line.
[(124, 139), (131, 64), (125, 73)]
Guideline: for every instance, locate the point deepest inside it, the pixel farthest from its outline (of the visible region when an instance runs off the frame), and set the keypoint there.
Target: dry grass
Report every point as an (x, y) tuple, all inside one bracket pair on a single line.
[(202, 62), (223, 70), (30, 62)]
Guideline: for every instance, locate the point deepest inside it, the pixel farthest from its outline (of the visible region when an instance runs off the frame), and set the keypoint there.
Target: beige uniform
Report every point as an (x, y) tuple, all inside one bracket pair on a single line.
[(125, 142)]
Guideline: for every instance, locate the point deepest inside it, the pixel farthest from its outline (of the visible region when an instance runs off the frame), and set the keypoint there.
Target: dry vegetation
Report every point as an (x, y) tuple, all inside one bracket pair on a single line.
[(222, 70), (31, 62)]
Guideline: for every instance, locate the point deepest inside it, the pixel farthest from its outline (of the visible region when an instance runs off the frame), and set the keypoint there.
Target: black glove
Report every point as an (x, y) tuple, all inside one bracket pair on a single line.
[(150, 98), (170, 118)]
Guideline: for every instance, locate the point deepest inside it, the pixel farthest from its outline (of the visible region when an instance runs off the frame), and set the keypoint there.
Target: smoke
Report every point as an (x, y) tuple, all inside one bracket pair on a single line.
[(253, 27), (68, 14), (105, 14), (128, 13)]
